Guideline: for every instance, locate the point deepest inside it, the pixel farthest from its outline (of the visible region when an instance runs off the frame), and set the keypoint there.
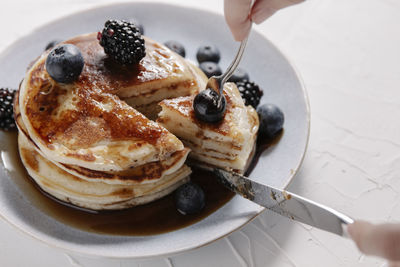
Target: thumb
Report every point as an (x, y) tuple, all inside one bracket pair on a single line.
[(381, 240)]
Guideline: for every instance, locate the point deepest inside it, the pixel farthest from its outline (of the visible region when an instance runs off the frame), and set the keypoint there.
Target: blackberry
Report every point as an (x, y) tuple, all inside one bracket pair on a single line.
[(250, 92), (7, 122), (122, 41), (137, 24)]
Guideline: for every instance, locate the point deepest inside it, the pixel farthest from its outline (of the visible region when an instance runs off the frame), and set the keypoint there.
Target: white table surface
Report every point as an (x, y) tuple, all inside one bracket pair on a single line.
[(347, 52)]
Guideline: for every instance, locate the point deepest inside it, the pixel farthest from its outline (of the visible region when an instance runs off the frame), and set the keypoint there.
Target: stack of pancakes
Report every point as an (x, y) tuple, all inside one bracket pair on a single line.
[(93, 143), (84, 144)]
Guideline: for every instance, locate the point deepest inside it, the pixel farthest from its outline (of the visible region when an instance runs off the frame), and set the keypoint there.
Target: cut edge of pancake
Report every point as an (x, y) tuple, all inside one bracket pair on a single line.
[(210, 143)]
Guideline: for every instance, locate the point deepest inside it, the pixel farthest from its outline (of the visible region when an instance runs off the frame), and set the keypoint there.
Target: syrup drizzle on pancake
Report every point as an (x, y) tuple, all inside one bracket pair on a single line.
[(109, 117), (74, 122)]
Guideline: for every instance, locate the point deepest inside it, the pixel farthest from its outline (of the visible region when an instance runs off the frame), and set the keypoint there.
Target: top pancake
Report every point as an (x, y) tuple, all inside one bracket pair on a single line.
[(86, 123)]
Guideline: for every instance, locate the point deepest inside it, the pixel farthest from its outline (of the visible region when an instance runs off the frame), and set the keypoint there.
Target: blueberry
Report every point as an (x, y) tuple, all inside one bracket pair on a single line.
[(208, 53), (239, 75), (137, 24), (207, 106), (176, 47), (64, 63), (52, 44), (271, 119), (189, 198), (210, 68)]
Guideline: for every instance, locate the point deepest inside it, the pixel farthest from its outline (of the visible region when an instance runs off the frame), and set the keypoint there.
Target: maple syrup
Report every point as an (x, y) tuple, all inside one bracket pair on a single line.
[(157, 217)]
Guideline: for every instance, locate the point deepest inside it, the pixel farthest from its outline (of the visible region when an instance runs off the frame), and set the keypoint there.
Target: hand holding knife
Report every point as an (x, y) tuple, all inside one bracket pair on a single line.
[(380, 240)]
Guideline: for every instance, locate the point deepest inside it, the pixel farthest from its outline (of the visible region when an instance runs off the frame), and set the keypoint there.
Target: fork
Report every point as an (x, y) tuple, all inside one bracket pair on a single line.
[(217, 82)]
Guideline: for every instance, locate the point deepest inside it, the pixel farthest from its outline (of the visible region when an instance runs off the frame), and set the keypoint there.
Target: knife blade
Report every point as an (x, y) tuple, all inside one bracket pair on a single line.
[(285, 203)]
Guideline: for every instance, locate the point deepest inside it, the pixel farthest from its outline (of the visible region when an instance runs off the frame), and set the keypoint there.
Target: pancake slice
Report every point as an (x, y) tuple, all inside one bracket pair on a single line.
[(227, 144)]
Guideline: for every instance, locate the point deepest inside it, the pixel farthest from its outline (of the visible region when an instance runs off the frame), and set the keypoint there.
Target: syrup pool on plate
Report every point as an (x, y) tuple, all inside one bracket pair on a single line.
[(157, 217)]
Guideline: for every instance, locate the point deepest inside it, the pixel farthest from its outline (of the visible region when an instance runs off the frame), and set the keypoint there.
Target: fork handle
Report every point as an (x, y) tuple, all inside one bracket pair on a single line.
[(229, 71)]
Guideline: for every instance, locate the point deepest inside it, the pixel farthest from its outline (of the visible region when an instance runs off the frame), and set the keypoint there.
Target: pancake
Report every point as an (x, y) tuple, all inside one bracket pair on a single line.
[(228, 144), (146, 173), (93, 195), (88, 123)]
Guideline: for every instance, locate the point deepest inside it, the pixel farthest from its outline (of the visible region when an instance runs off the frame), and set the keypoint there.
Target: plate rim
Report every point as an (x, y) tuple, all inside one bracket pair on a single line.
[(49, 241)]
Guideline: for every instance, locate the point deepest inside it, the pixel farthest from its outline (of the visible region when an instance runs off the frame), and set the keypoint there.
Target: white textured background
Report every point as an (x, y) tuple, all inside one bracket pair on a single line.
[(347, 52)]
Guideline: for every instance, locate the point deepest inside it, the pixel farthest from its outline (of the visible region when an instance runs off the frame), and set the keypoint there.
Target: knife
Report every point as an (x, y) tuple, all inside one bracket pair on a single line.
[(285, 203)]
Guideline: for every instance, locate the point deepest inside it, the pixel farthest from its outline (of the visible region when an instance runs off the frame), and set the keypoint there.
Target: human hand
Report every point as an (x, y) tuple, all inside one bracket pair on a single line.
[(381, 240), (239, 14)]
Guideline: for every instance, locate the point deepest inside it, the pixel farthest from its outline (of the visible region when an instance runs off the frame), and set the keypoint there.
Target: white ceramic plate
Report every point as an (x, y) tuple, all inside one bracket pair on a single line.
[(266, 65)]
